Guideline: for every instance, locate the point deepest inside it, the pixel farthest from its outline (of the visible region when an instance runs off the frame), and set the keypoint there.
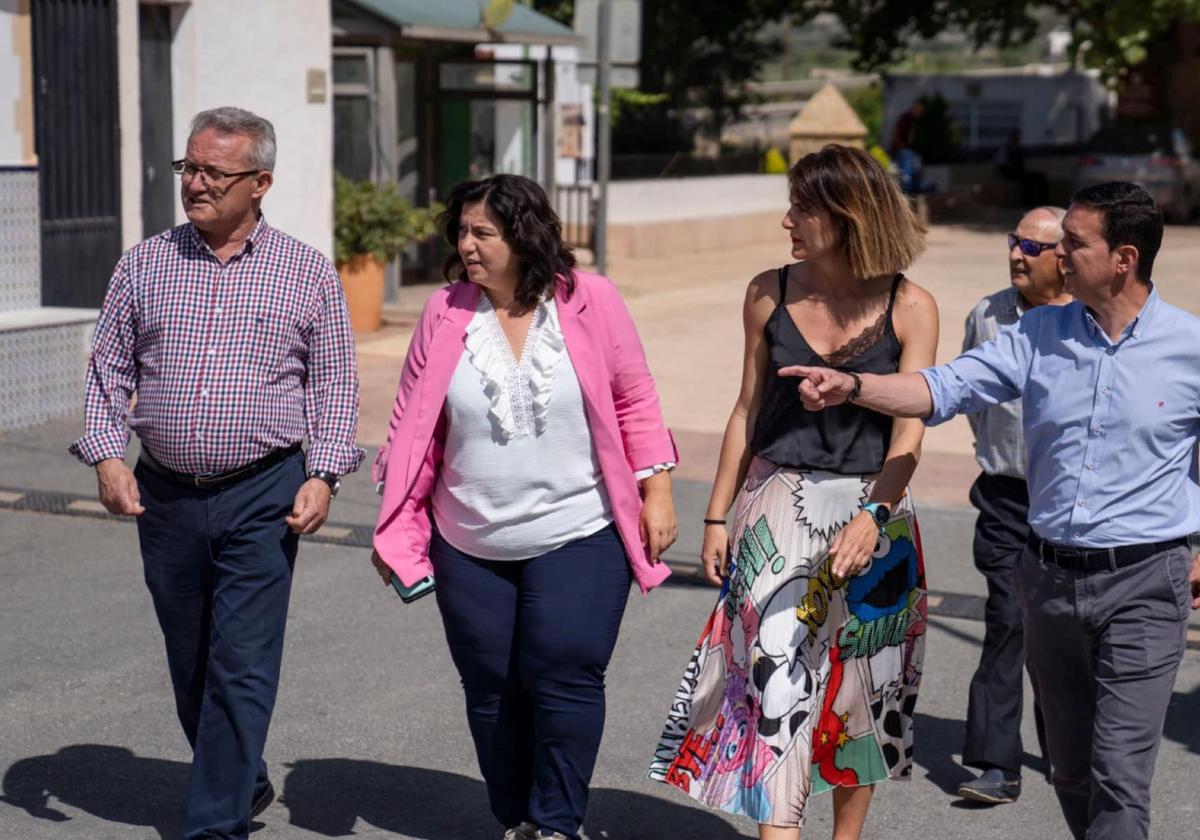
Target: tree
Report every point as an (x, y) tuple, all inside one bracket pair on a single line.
[(1110, 35), (700, 52)]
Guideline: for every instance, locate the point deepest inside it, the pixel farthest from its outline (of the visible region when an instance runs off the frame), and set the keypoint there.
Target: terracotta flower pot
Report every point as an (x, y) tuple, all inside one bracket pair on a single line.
[(363, 280)]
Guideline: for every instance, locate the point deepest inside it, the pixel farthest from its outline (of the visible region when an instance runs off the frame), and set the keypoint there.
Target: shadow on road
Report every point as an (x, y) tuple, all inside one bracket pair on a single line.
[(109, 782), (328, 795), (939, 740), (936, 742), (1182, 715)]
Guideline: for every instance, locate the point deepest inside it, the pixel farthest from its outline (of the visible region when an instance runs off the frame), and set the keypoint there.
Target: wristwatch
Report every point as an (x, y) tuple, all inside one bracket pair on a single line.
[(879, 512), (857, 389), (332, 479)]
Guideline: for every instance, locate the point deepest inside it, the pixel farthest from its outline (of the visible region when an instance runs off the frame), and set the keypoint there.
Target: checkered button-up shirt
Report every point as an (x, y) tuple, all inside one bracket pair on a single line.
[(229, 360), (999, 436)]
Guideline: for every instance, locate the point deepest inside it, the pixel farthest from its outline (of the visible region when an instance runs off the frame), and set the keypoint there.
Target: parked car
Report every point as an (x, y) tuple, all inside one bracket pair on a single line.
[(1158, 157)]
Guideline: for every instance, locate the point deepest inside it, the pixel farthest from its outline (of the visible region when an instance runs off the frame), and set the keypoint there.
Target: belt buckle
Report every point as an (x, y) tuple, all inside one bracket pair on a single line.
[(1067, 555), (205, 482)]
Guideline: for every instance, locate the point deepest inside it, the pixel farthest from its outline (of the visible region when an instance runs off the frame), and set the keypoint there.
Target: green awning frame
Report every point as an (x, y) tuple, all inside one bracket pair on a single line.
[(461, 20)]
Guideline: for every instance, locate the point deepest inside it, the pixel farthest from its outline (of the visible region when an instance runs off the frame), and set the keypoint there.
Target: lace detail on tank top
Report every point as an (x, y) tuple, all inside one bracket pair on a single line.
[(862, 342)]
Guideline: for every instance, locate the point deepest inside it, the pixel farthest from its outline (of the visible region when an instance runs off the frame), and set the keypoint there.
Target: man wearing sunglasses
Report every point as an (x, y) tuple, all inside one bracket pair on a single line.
[(1110, 398), (236, 339), (1000, 494)]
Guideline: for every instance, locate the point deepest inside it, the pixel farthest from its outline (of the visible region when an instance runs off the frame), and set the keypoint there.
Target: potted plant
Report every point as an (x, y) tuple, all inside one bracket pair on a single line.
[(371, 225)]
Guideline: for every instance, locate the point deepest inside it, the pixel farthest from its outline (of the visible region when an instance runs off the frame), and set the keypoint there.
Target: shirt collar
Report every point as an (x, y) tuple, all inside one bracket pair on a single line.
[(1018, 303), (1135, 328), (255, 240)]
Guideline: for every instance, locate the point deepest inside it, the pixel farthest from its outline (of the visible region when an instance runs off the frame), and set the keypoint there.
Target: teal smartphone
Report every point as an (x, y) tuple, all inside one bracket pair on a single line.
[(408, 594)]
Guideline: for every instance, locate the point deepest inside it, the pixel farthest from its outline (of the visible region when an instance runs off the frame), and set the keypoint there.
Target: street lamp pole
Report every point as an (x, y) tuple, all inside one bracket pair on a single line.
[(603, 131)]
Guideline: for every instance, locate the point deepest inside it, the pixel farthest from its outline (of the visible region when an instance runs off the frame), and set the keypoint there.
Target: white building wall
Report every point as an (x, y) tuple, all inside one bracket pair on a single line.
[(129, 117), (255, 56), (1050, 108), (677, 199)]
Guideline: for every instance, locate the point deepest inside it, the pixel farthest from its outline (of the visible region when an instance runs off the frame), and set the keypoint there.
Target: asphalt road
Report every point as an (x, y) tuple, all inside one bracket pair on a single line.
[(369, 738)]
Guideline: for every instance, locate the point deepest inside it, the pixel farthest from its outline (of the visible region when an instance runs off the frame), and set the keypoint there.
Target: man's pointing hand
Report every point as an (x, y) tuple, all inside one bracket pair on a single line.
[(820, 387)]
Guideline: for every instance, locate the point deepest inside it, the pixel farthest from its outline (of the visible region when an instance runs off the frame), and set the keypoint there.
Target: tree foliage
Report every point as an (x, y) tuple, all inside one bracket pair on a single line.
[(562, 11), (699, 52), (1110, 35)]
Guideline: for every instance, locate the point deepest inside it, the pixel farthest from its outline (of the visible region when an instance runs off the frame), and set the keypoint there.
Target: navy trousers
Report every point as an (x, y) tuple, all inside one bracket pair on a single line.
[(993, 736), (219, 567), (531, 641)]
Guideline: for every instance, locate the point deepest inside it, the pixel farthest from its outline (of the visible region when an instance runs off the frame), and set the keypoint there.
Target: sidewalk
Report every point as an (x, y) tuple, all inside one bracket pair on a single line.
[(688, 313)]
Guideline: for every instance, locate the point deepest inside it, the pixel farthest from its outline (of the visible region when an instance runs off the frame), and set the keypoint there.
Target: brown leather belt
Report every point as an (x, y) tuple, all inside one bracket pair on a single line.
[(219, 481), (1098, 559)]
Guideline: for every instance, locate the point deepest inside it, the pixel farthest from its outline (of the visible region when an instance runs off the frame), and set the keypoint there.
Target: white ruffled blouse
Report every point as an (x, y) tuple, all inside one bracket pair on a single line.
[(519, 391), (519, 475)]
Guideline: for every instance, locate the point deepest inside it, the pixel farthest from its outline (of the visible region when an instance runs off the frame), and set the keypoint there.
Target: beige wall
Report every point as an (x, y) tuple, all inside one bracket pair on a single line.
[(16, 84)]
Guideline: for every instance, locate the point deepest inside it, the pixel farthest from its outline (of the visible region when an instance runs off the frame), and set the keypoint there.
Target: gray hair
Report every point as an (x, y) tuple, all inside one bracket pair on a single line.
[(230, 120)]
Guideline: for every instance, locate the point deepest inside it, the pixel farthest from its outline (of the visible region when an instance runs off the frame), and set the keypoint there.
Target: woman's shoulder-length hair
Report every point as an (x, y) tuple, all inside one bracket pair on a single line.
[(528, 224), (876, 226)]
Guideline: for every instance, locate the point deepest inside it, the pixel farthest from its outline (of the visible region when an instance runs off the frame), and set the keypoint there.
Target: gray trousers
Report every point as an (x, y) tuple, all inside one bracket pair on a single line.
[(1102, 650)]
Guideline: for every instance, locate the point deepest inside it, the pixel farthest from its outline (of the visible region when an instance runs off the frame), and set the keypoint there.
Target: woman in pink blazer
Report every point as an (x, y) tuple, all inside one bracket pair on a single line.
[(527, 477)]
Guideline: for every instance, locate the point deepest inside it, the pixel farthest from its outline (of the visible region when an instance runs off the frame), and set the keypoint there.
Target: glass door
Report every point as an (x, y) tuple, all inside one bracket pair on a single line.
[(487, 113)]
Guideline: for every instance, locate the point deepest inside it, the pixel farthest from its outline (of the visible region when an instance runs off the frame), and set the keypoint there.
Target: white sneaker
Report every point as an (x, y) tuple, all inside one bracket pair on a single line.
[(524, 831)]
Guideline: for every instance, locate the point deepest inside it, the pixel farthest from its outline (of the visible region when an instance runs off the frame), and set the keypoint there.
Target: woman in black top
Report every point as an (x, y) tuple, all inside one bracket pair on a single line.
[(806, 675)]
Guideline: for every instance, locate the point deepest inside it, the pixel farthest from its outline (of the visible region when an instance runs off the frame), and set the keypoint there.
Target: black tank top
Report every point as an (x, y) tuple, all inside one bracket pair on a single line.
[(845, 439)]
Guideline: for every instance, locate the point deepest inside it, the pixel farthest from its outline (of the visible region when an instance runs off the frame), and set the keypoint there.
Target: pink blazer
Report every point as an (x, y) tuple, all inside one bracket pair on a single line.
[(618, 393)]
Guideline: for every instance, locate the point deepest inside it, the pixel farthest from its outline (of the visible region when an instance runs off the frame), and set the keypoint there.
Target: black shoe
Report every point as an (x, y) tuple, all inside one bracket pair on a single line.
[(994, 787), (262, 801)]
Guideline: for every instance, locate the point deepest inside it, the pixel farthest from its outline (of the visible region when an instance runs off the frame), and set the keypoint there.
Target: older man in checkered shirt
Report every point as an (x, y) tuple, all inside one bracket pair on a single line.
[(236, 340), (993, 735)]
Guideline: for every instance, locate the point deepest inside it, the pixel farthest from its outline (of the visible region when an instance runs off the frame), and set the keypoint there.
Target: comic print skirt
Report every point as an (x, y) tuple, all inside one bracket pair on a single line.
[(799, 683)]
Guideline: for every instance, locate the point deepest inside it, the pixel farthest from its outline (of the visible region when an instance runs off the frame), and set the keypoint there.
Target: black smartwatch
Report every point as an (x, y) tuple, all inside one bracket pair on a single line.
[(332, 479), (879, 512)]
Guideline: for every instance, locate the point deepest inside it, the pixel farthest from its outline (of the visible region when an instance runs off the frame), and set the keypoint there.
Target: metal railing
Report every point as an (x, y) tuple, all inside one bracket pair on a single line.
[(576, 207)]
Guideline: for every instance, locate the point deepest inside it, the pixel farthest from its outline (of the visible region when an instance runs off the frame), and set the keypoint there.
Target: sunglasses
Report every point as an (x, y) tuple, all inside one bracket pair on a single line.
[(1029, 247)]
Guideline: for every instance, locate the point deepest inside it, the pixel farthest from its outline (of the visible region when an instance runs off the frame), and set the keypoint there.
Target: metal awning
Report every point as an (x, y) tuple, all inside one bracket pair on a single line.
[(462, 20)]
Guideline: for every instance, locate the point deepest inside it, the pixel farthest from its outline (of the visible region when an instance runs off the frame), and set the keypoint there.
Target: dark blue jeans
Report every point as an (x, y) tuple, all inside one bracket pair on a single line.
[(219, 567), (531, 640)]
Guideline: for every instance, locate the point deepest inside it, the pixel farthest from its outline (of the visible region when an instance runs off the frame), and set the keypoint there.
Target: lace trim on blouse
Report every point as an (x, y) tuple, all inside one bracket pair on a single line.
[(519, 390)]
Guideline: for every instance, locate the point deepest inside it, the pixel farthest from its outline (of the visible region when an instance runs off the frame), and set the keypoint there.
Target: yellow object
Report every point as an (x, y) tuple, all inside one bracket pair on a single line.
[(774, 163), (497, 12), (883, 157)]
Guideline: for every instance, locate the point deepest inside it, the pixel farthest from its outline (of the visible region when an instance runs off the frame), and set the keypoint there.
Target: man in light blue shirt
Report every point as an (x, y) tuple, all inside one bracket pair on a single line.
[(1110, 392)]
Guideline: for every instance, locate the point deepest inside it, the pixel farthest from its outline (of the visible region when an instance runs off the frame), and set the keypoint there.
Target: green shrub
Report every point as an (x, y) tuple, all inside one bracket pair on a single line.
[(867, 102), (375, 220), (642, 123)]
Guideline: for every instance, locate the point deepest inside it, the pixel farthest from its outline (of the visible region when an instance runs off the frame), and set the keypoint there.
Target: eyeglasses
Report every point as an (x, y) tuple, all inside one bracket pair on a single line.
[(1029, 247), (210, 176)]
